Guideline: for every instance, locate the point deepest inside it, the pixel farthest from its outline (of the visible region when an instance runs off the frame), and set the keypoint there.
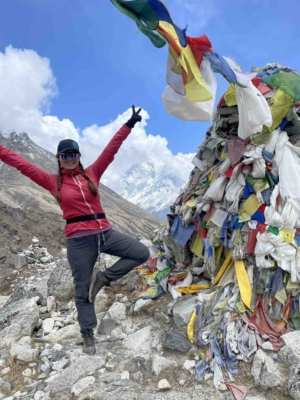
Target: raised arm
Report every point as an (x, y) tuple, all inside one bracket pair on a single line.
[(36, 174), (108, 154)]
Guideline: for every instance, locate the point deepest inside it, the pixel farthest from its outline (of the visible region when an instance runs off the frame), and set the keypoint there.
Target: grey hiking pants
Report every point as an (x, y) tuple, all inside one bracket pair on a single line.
[(82, 256)]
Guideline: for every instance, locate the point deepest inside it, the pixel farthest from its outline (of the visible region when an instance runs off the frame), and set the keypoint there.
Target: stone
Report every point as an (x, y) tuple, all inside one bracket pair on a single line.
[(161, 317), (117, 311), (60, 283), (138, 377), (222, 387), (288, 355), (5, 385), (141, 304), (294, 382), (51, 303), (101, 302), (21, 261), (183, 310), (24, 292), (39, 395), (27, 373), (28, 356), (189, 365), (107, 325), (61, 364), (81, 367), (266, 372), (82, 384), (109, 367), (66, 333), (181, 382), (125, 375), (3, 300), (5, 371), (159, 364), (176, 341), (17, 348), (292, 341), (16, 320), (163, 385), (139, 341), (48, 325)]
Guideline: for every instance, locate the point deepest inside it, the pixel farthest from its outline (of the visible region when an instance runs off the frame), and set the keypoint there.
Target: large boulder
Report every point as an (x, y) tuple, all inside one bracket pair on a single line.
[(60, 283), (16, 320), (82, 367)]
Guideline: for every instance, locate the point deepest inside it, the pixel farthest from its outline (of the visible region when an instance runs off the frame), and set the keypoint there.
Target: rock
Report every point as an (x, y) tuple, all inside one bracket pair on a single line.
[(294, 382), (18, 347), (266, 372), (288, 355), (189, 365), (5, 385), (141, 304), (60, 283), (117, 311), (109, 367), (222, 387), (27, 373), (163, 385), (107, 325), (161, 317), (138, 377), (16, 320), (181, 382), (183, 310), (68, 332), (3, 300), (82, 367), (139, 341), (176, 341), (82, 384), (39, 395), (291, 351), (159, 364), (48, 325), (100, 302), (61, 364), (21, 261), (125, 375), (51, 303), (183, 254), (25, 292), (130, 281), (5, 371), (28, 356)]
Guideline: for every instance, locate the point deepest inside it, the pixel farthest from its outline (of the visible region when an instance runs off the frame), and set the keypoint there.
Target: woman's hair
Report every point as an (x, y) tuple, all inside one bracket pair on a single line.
[(92, 187)]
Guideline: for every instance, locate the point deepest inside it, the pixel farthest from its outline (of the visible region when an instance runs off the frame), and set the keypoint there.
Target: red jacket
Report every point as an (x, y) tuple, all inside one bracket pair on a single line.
[(76, 198)]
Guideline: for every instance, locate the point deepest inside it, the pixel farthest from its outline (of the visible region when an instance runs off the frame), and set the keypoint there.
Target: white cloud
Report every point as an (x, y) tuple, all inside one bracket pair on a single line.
[(134, 150), (193, 13), (27, 88)]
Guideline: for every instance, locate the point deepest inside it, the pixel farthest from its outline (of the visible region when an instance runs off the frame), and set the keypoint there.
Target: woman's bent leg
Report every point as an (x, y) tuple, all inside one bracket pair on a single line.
[(131, 251)]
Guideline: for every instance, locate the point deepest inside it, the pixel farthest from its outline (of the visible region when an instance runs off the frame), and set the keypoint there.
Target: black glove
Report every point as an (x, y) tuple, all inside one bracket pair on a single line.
[(134, 118)]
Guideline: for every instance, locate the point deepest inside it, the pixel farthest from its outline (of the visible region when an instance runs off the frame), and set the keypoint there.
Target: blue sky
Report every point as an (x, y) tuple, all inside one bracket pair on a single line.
[(100, 64)]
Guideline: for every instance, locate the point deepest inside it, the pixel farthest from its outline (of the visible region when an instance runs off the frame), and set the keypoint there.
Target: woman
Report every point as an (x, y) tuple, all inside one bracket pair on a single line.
[(87, 228)]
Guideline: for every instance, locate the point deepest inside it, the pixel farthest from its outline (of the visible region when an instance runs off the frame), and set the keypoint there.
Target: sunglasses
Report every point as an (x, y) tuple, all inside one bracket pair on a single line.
[(70, 156)]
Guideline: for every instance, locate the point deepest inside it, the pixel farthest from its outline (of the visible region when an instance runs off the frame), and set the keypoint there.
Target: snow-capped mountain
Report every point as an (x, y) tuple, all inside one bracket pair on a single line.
[(152, 186)]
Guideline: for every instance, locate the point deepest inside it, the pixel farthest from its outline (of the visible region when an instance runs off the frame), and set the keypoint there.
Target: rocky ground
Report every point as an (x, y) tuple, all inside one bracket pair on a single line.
[(142, 347)]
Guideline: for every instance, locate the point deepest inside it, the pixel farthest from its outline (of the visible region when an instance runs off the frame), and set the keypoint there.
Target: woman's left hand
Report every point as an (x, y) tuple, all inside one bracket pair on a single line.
[(136, 117)]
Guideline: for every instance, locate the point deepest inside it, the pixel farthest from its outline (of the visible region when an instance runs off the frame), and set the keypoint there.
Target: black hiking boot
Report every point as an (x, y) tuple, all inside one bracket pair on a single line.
[(98, 281), (88, 342)]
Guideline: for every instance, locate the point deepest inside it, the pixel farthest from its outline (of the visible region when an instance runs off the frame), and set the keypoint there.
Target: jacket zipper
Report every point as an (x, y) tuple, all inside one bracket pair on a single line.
[(78, 183)]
